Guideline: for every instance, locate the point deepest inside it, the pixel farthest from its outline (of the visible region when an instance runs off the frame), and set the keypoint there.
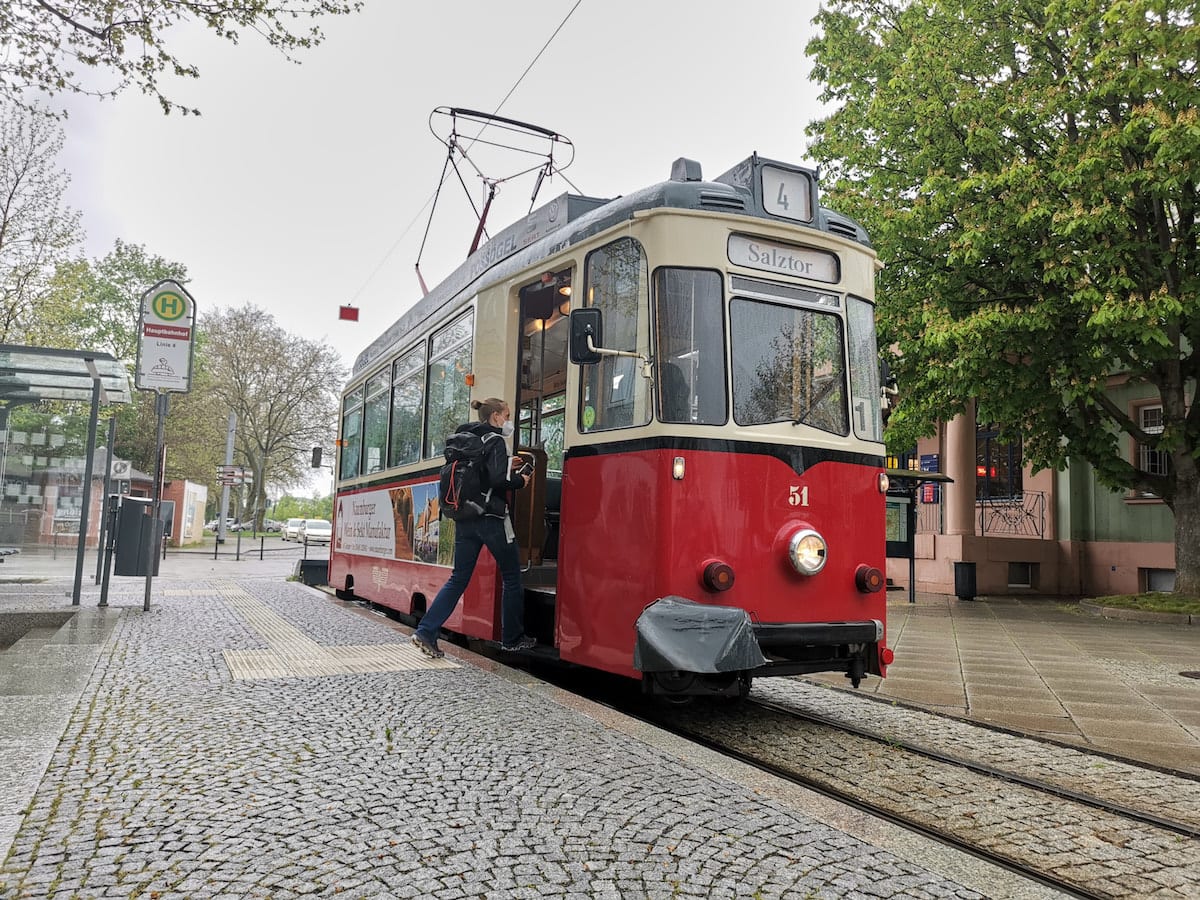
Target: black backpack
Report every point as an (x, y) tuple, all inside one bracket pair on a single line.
[(462, 493)]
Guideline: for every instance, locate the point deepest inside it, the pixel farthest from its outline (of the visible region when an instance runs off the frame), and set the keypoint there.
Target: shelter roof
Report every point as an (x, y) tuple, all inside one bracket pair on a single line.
[(30, 374)]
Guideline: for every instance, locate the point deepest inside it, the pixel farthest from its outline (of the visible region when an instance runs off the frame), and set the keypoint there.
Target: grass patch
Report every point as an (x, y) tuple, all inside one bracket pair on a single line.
[(1153, 601)]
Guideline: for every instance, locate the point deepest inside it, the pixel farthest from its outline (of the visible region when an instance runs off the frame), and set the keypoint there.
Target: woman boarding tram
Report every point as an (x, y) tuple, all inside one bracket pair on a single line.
[(696, 376)]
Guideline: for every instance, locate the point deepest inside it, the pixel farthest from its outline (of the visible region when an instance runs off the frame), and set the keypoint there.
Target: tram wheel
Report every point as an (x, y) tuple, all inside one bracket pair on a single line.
[(672, 685)]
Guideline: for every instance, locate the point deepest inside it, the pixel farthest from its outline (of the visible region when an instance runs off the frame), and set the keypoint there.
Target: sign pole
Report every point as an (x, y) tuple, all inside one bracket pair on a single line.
[(108, 470), (161, 402)]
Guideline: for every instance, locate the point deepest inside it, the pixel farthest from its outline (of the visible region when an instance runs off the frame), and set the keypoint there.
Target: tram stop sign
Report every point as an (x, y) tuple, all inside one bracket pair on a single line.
[(166, 335)]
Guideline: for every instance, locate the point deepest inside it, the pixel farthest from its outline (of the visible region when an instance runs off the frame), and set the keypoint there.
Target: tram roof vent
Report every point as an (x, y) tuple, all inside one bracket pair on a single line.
[(684, 169)]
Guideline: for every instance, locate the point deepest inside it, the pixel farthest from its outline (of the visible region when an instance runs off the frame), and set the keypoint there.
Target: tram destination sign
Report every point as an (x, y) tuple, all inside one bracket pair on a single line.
[(786, 259), (166, 335)]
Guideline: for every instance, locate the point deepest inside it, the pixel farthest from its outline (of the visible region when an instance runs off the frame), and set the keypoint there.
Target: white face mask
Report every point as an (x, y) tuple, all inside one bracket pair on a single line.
[(507, 429)]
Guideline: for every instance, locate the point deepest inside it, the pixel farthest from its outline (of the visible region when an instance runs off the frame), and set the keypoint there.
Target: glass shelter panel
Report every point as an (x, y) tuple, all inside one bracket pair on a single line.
[(788, 366), (690, 347), (615, 392)]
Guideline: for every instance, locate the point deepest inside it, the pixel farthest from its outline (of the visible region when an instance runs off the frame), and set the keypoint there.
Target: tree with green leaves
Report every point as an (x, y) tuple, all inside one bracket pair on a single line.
[(95, 305), (1029, 172), (284, 390), (48, 45), (98, 302), (37, 230)]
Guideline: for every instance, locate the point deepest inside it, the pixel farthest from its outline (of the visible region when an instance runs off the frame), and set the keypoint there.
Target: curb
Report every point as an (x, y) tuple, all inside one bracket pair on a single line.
[(1138, 615)]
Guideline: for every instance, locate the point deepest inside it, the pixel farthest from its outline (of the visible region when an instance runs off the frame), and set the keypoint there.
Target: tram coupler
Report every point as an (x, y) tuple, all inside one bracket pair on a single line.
[(856, 671)]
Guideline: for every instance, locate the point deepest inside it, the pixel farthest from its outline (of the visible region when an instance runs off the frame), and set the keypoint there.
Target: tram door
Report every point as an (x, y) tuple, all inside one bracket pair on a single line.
[(541, 404)]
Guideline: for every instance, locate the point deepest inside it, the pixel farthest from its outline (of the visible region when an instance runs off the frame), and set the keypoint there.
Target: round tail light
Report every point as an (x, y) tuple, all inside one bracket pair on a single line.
[(868, 579), (717, 576)]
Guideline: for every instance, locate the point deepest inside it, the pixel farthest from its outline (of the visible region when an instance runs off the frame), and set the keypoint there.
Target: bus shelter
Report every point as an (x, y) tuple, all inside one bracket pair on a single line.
[(46, 473)]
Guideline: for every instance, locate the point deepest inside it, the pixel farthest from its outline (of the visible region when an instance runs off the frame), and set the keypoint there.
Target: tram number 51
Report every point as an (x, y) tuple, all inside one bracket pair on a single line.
[(798, 496)]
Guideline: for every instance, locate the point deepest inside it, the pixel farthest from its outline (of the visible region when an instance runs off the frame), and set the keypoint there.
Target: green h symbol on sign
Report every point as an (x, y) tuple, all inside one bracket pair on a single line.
[(168, 305)]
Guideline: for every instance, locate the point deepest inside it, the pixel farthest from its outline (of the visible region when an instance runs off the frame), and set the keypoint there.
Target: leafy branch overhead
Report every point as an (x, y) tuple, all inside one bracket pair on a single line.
[(48, 46), (1030, 173)]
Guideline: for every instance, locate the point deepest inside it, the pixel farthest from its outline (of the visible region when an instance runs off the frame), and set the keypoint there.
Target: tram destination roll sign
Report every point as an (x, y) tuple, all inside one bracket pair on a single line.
[(166, 334)]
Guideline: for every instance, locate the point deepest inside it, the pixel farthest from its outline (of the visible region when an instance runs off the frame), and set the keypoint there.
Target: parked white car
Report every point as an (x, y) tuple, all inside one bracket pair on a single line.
[(291, 530), (315, 531)]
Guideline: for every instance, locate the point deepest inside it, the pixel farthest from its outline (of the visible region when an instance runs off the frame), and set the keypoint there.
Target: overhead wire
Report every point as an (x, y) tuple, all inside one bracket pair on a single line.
[(433, 197)]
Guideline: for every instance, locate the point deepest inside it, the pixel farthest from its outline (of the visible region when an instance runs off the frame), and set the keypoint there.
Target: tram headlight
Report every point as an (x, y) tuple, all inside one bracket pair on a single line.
[(806, 552)]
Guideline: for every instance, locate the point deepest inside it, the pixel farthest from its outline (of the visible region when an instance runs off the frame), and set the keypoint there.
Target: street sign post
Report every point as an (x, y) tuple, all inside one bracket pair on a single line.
[(166, 336)]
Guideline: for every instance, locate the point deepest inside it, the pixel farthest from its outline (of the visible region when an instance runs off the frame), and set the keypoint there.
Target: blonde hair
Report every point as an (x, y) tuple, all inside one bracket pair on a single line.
[(489, 407)]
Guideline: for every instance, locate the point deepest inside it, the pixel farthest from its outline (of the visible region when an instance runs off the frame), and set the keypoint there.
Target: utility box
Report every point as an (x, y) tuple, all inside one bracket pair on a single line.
[(139, 537), (964, 580)]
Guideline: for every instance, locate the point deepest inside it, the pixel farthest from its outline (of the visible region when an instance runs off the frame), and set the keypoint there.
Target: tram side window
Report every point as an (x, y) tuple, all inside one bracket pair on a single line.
[(864, 369), (788, 366), (408, 408), (615, 394), (375, 422), (690, 348), (352, 415), (449, 395)]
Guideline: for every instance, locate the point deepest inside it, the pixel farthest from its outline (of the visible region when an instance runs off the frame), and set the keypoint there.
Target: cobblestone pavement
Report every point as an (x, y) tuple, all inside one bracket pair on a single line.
[(1103, 853), (390, 777)]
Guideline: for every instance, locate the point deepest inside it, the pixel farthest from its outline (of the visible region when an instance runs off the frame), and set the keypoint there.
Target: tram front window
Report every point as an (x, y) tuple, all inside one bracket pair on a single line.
[(690, 383), (789, 366)]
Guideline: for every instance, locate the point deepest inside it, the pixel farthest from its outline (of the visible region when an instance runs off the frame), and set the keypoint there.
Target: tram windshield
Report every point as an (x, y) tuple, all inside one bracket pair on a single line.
[(789, 366)]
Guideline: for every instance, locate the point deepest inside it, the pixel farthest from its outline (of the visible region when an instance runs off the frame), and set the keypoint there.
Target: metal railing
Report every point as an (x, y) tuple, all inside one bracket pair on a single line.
[(1024, 515)]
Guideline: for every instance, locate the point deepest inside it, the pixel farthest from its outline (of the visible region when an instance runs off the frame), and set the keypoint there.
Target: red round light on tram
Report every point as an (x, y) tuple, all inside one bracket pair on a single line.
[(868, 579), (886, 655), (717, 576)]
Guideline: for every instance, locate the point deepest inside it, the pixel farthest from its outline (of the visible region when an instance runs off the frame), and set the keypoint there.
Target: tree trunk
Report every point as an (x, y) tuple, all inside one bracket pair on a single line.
[(1187, 534)]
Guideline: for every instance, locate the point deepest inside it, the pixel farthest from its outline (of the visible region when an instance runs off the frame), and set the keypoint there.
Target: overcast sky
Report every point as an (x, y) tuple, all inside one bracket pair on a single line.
[(303, 187)]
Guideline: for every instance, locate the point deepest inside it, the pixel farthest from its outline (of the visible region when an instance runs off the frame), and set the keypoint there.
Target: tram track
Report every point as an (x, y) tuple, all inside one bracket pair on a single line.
[(1074, 839)]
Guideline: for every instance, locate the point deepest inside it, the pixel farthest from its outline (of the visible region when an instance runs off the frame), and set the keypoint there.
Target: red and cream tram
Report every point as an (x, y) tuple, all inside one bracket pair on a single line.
[(695, 370)]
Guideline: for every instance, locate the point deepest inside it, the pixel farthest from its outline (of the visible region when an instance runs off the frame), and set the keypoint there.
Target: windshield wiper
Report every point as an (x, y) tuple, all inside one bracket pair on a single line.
[(816, 400)]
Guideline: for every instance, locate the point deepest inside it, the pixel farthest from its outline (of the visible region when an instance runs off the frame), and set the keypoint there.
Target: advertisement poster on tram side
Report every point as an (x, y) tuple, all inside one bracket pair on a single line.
[(401, 523)]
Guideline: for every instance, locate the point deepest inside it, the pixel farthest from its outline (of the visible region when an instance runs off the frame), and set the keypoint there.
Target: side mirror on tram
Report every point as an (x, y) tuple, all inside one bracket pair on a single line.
[(586, 323)]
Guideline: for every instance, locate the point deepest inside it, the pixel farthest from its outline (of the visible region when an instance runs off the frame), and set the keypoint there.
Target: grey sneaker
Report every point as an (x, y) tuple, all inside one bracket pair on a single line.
[(524, 642), (430, 650)]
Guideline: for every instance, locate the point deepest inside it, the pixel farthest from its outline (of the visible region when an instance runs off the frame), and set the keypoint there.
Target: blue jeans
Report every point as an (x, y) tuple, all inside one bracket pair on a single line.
[(471, 536)]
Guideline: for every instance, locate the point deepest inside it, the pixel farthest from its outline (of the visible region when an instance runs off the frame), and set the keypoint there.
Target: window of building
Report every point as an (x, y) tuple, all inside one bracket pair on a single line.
[(408, 408), (1151, 460), (615, 392), (449, 396), (1021, 574), (998, 466)]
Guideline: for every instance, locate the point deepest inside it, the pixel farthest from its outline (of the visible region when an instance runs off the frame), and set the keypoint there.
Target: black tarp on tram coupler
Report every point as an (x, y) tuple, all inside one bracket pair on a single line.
[(675, 634)]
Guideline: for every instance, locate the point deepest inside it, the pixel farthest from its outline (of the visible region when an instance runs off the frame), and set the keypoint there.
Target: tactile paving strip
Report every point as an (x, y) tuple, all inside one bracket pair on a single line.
[(291, 653)]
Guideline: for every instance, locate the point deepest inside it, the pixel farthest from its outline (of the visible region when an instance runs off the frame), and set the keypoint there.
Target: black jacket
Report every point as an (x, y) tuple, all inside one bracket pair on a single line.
[(498, 476)]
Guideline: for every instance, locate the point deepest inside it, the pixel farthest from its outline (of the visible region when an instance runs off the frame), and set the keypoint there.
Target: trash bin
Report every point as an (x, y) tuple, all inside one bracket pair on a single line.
[(138, 538), (964, 580), (312, 571)]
